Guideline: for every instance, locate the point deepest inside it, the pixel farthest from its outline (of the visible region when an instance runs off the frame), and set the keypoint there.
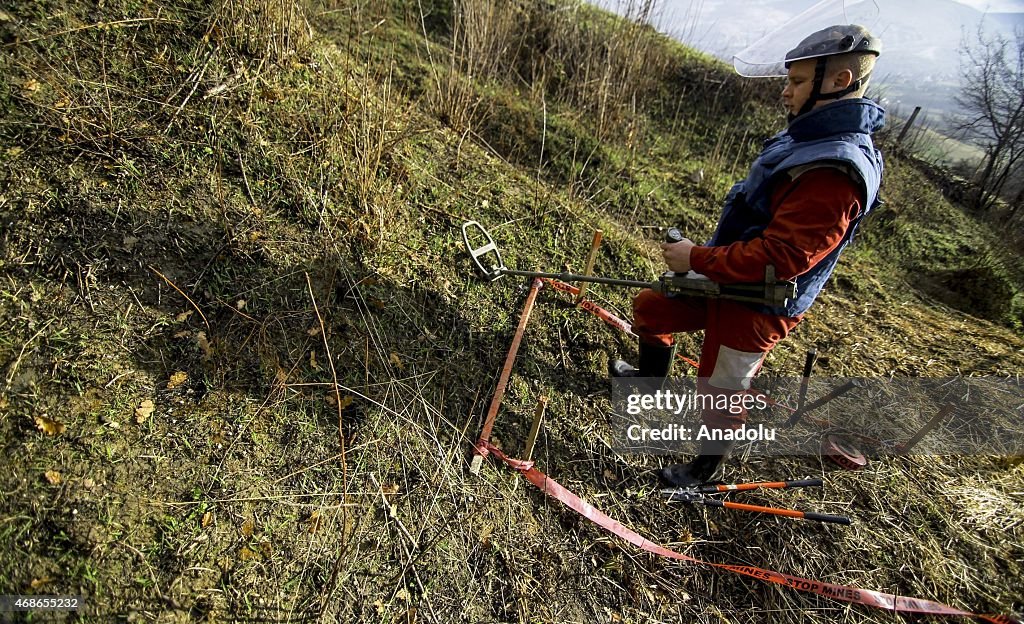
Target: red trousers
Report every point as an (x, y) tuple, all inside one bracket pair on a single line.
[(736, 339)]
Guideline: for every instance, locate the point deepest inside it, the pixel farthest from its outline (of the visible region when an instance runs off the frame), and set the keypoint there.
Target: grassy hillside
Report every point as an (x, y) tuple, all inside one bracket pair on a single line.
[(244, 354)]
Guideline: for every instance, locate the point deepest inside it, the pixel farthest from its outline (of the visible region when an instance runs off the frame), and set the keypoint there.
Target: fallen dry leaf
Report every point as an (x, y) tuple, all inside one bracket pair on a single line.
[(144, 411), (37, 583), (182, 334), (246, 554), (177, 379), (247, 528), (207, 519), (217, 433), (204, 345), (397, 361), (312, 361), (184, 316), (31, 85), (53, 477), (331, 399), (49, 426), (314, 521)]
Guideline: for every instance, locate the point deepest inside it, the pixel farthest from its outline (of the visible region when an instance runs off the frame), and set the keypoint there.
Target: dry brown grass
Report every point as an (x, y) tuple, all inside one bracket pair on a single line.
[(483, 34), (611, 65), (272, 29)]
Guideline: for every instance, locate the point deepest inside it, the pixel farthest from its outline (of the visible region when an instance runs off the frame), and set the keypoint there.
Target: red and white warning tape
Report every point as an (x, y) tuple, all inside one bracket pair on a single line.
[(889, 602), (606, 316)]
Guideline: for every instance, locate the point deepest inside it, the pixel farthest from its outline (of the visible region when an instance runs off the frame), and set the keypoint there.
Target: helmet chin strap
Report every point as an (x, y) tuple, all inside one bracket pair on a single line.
[(816, 94)]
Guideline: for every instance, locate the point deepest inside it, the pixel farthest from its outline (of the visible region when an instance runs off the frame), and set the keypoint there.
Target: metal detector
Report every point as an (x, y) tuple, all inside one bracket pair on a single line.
[(487, 259)]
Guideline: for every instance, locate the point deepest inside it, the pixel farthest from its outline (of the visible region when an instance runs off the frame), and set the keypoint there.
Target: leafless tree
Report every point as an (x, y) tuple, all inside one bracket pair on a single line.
[(992, 98)]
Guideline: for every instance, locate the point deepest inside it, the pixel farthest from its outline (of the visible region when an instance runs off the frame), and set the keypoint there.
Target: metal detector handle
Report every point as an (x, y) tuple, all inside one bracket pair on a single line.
[(773, 293), (673, 235), (498, 269)]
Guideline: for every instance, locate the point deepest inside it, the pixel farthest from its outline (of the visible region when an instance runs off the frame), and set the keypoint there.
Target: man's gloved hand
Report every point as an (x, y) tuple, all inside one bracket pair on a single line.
[(677, 255)]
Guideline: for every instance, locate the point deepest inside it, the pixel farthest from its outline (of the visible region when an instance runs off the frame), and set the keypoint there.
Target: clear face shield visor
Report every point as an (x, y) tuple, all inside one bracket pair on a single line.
[(766, 58)]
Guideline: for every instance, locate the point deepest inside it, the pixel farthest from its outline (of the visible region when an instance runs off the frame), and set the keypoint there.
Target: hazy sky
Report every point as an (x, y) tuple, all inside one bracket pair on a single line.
[(996, 6)]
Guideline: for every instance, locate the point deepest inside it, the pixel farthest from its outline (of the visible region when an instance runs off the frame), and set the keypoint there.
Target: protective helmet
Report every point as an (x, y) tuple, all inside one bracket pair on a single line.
[(839, 39), (768, 56)]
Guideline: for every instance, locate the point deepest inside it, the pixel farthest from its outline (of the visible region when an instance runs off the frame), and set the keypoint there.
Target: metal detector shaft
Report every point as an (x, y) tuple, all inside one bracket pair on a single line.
[(570, 277), (677, 283)]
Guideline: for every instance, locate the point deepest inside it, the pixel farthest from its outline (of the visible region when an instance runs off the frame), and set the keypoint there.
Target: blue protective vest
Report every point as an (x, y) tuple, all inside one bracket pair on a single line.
[(839, 132)]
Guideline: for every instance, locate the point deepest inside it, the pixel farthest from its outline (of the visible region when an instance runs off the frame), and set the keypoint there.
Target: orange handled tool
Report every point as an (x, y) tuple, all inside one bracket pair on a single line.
[(698, 494), (738, 487), (790, 513)]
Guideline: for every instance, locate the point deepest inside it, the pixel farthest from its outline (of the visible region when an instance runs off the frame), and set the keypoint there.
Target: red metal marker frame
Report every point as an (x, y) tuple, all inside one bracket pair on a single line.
[(506, 372)]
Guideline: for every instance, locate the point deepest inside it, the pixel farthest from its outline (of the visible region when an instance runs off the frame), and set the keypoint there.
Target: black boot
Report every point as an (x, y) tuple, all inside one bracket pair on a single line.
[(703, 467), (655, 361)]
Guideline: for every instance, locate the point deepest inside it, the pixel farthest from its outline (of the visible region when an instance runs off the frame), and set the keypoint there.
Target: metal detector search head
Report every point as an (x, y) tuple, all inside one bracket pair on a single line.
[(476, 253)]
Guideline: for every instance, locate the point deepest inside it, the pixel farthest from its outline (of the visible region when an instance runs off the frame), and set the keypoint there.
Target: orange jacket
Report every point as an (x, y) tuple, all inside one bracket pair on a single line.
[(810, 216)]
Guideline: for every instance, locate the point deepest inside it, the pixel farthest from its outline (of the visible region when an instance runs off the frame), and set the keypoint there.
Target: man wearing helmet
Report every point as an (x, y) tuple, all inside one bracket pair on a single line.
[(796, 211)]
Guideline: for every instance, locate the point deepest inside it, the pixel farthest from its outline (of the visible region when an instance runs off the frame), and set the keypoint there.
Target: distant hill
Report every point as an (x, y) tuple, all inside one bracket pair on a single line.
[(922, 39)]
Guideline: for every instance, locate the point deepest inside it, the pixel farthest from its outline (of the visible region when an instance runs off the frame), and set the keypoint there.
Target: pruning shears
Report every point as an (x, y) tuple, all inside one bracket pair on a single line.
[(699, 494)]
